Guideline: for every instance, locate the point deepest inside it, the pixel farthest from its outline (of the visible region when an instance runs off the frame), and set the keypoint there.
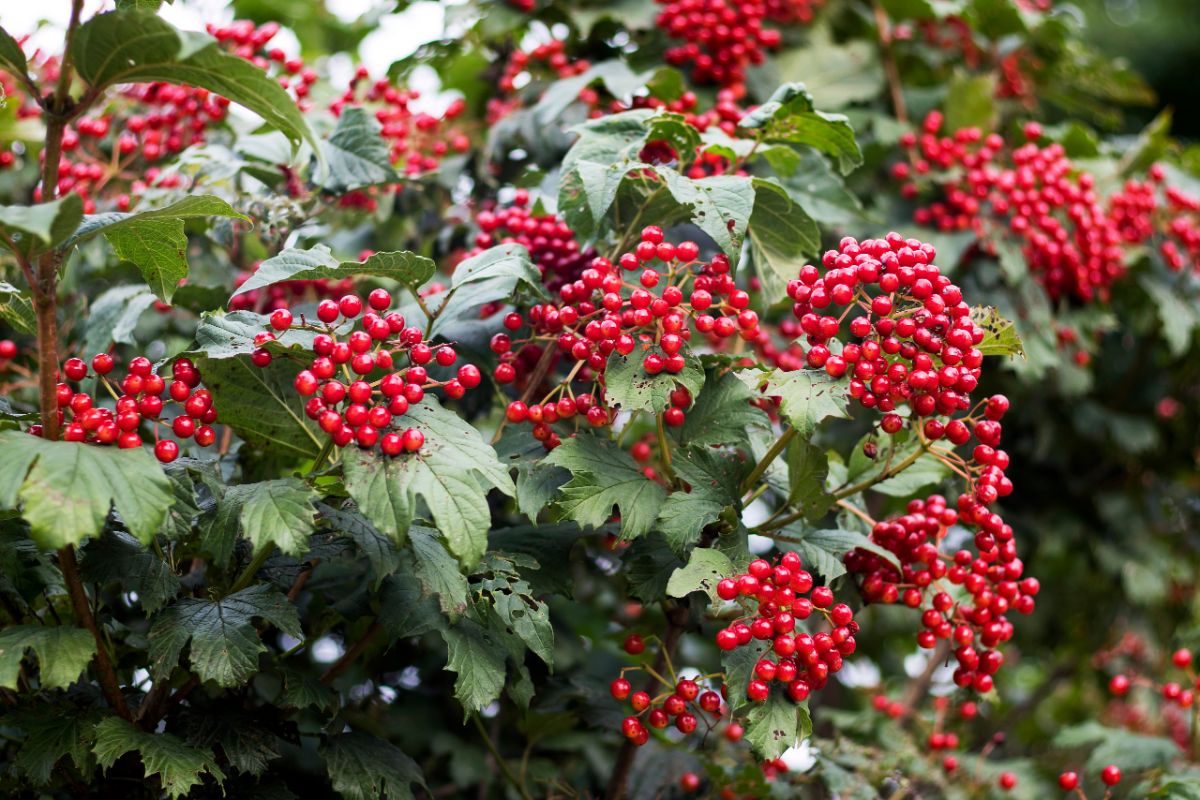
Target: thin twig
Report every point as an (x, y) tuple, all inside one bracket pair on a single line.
[(505, 769), (883, 28)]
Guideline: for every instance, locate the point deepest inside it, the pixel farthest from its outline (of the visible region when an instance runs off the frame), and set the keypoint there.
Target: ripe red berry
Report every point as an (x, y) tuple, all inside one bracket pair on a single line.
[(1111, 775), (619, 688), (166, 450), (1007, 781), (1068, 781), (350, 305), (281, 319), (413, 440), (634, 644)]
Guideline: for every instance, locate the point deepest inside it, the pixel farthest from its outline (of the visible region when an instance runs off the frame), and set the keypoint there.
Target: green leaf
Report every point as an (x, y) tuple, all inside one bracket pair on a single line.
[(447, 481), (1135, 752), (66, 489), (12, 57), (837, 75), (818, 189), (247, 746), (225, 335), (35, 229), (704, 569), (438, 571), (113, 316), (357, 154), (790, 116), (225, 644), (925, 471), (822, 551), (260, 405), (629, 387), (1179, 318), (139, 47), (121, 559), (713, 479), (808, 467), (498, 272), (178, 766), (381, 554), (777, 724), (302, 690), (784, 236), (722, 413), (649, 564), (318, 262), (153, 240), (64, 653), (478, 658), (807, 397), (537, 482), (276, 513), (602, 476), (17, 309), (970, 102), (50, 737), (720, 205), (406, 610), (999, 334), (192, 207), (363, 767)]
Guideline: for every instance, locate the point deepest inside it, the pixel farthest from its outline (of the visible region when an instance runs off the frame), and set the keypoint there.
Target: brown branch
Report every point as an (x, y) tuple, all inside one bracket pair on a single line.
[(105, 672), (349, 657), (301, 580)]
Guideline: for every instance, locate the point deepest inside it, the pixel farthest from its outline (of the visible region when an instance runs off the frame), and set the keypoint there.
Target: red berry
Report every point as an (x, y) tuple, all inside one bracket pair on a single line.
[(619, 688), (1068, 781), (281, 319), (166, 450), (413, 440), (1111, 775), (634, 644)]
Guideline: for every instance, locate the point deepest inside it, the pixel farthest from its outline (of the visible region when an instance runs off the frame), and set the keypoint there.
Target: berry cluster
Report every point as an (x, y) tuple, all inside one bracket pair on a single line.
[(1176, 694), (1073, 240), (602, 312), (914, 345), (141, 399), (376, 390), (548, 61), (778, 597), (551, 243), (685, 705), (417, 140), (723, 37)]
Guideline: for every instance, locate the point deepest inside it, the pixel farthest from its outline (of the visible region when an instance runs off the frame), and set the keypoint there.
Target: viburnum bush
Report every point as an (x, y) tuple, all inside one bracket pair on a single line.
[(781, 398)]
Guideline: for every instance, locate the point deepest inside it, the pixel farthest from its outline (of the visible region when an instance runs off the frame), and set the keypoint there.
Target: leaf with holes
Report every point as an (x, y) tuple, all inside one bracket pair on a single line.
[(704, 569), (999, 334), (628, 387), (777, 724)]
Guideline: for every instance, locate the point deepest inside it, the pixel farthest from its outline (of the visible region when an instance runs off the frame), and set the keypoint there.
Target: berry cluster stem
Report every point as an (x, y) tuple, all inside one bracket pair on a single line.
[(760, 468)]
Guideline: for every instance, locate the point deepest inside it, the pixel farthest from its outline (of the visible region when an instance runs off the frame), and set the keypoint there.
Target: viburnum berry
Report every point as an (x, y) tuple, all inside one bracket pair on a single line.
[(386, 358), (1111, 775), (634, 644), (1068, 781)]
